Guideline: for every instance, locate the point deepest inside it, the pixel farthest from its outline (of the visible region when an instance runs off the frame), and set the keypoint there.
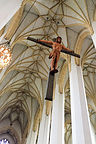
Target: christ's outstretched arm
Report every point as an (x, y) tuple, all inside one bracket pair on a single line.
[(45, 41), (63, 47)]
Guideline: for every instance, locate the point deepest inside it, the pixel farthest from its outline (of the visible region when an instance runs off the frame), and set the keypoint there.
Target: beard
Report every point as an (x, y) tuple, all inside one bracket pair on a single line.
[(59, 42)]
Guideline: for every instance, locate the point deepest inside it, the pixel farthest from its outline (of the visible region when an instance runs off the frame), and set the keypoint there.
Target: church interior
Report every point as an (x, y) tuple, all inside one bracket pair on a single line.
[(25, 116)]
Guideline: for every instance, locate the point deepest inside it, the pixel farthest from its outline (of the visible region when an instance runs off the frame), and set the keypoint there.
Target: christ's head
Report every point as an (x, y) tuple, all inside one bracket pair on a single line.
[(59, 39)]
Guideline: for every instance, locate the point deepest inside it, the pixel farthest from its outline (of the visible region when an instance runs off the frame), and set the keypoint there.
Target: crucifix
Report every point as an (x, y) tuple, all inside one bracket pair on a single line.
[(56, 47)]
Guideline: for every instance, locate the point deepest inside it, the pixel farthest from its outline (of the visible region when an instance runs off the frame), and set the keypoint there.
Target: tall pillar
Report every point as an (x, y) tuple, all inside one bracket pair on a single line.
[(32, 136), (57, 124), (43, 137), (79, 110), (7, 10), (31, 139), (94, 35)]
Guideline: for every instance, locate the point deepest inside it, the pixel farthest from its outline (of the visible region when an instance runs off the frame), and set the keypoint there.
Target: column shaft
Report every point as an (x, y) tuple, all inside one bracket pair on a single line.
[(44, 130), (79, 109), (94, 35), (57, 124)]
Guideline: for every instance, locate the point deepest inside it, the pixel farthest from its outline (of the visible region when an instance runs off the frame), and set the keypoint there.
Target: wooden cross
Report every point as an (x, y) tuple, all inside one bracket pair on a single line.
[(49, 93)]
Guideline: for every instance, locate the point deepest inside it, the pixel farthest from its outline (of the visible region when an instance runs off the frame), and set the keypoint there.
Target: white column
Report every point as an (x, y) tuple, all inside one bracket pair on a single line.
[(44, 130), (94, 35), (93, 134), (79, 110), (32, 136), (7, 9), (31, 139), (57, 124)]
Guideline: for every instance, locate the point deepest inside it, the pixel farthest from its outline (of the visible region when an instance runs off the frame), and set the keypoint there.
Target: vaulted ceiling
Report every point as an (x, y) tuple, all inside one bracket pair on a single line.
[(24, 80)]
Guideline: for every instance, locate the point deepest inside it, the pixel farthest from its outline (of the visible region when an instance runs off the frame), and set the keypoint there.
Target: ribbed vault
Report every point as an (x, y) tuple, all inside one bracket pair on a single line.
[(24, 80)]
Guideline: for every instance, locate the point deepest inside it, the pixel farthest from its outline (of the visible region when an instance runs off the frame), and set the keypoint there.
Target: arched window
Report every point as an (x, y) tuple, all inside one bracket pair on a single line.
[(4, 141)]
